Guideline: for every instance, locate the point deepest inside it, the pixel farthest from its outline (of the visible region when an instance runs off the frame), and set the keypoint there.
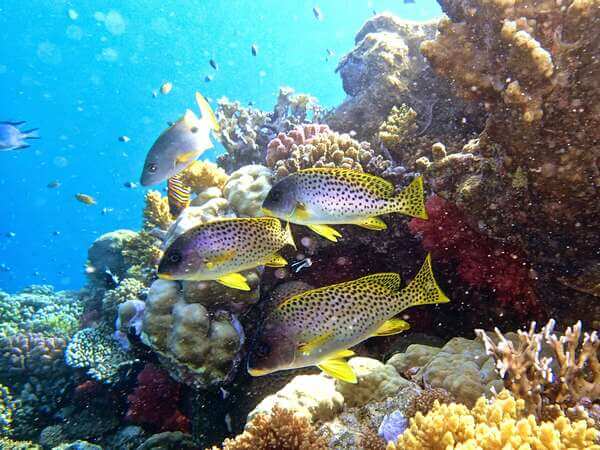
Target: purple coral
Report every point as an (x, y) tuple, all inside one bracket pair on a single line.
[(129, 318), (392, 426)]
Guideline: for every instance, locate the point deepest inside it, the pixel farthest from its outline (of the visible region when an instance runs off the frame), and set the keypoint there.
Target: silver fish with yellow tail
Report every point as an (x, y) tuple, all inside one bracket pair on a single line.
[(319, 326), (219, 250), (320, 197)]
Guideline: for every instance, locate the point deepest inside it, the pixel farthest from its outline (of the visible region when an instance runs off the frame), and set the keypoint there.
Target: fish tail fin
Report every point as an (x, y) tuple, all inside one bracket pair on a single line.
[(289, 237), (31, 134), (423, 289), (207, 112), (411, 201)]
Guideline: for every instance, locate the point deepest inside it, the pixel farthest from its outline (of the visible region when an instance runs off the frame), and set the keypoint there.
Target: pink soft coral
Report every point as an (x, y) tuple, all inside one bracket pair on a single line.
[(154, 401), (482, 262)]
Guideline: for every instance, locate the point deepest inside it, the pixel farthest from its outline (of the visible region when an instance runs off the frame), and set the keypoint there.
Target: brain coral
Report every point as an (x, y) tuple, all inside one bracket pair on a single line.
[(317, 146), (500, 423)]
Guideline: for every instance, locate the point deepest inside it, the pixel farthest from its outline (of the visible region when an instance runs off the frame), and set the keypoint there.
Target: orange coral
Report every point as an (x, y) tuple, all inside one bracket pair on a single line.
[(276, 431), (201, 175)]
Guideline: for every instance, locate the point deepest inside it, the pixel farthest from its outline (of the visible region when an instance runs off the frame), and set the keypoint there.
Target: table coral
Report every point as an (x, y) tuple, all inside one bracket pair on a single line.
[(154, 401), (246, 189), (500, 423), (201, 175), (481, 261), (317, 146), (281, 429), (567, 375), (95, 350)]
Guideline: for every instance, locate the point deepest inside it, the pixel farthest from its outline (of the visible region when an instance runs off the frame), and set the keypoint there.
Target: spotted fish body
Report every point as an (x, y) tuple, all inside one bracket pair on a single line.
[(318, 326), (322, 196), (220, 249)]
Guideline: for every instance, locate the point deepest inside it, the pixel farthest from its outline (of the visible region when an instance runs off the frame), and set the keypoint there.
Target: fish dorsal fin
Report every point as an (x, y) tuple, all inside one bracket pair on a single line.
[(276, 260), (207, 112), (190, 119), (326, 231), (339, 369), (388, 280), (235, 281), (392, 326), (378, 185), (307, 347), (372, 223)]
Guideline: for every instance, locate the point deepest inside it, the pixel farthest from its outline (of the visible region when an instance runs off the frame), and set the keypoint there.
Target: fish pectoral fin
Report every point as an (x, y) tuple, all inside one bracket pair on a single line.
[(372, 223), (339, 369), (326, 231), (342, 354), (235, 281), (314, 343), (392, 326), (276, 260), (187, 157), (301, 212)]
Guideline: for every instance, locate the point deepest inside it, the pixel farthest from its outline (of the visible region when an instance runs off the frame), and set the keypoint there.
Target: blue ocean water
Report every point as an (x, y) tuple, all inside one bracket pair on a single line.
[(84, 73)]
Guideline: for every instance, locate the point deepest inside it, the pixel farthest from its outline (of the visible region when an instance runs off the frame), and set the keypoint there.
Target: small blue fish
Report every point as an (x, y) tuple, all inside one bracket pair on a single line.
[(11, 138)]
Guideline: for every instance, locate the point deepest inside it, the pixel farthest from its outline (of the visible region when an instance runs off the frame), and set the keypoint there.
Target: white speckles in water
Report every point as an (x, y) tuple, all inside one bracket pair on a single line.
[(49, 53), (115, 23), (74, 32), (108, 54), (160, 26), (99, 16), (73, 15), (60, 161), (262, 73)]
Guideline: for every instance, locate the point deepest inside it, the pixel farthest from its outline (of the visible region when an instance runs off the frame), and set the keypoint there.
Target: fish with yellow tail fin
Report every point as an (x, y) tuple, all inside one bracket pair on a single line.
[(319, 326), (219, 250), (320, 197), (178, 195), (180, 144)]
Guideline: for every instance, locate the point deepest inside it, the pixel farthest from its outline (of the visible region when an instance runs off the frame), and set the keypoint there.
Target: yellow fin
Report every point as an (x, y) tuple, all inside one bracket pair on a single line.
[(300, 212), (411, 200), (235, 281), (187, 156), (372, 223), (309, 346), (342, 354), (423, 289), (392, 326), (338, 368), (207, 112), (326, 231), (276, 260)]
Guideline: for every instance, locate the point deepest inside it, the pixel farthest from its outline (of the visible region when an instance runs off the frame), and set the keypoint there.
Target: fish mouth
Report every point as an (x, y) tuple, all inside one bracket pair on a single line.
[(166, 276)]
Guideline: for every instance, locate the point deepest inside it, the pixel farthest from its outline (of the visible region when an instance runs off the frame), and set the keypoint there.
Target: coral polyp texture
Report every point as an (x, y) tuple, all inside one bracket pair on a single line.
[(548, 370), (316, 145), (498, 424)]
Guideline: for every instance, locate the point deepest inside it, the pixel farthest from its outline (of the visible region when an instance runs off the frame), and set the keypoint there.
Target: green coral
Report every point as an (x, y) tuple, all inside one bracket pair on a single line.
[(94, 349)]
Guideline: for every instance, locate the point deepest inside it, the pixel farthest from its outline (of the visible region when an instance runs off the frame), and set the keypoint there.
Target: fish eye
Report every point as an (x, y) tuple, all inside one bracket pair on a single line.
[(175, 257), (194, 129), (152, 167)]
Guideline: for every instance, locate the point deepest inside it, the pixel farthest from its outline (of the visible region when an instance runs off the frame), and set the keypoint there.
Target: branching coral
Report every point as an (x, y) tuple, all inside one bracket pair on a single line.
[(25, 354), (201, 175), (156, 211), (481, 261), (424, 401), (317, 146), (281, 429), (501, 423), (568, 378), (154, 401)]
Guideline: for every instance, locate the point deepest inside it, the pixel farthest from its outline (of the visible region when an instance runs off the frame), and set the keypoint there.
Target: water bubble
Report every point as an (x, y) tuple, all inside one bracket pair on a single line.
[(262, 73), (74, 32), (108, 54), (73, 15), (114, 22), (49, 53), (60, 161)]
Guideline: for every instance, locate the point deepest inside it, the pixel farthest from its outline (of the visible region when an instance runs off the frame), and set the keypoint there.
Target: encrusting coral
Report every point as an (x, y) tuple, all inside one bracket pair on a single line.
[(570, 377), (317, 146), (201, 175), (281, 429), (498, 424)]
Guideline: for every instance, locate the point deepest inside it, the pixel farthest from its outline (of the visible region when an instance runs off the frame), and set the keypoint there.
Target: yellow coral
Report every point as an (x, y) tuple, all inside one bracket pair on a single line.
[(400, 124), (156, 211), (201, 175), (499, 424)]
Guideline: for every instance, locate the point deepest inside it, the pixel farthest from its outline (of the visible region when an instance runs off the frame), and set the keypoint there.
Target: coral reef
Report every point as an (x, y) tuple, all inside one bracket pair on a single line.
[(128, 289), (26, 354), (460, 367), (425, 400), (201, 175), (156, 211), (7, 408), (481, 261), (281, 429), (317, 146), (106, 257), (568, 378), (154, 401), (245, 132), (246, 189), (142, 254), (199, 347), (9, 444), (500, 423), (536, 74), (95, 350)]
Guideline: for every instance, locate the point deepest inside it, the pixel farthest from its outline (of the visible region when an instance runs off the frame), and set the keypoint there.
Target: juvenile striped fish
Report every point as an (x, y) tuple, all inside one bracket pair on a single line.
[(219, 250), (178, 195), (319, 197), (319, 326)]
